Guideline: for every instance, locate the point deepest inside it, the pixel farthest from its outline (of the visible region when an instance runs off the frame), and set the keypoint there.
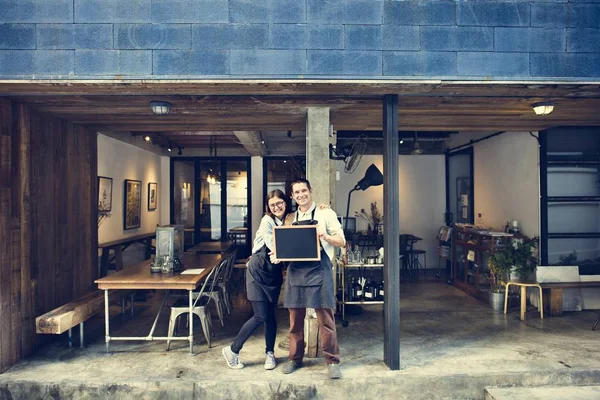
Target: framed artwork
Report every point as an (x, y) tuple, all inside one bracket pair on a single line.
[(132, 210), (104, 193), (152, 196)]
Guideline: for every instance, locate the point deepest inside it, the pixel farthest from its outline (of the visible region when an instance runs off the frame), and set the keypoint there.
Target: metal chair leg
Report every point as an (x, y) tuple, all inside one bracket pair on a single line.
[(596, 323)]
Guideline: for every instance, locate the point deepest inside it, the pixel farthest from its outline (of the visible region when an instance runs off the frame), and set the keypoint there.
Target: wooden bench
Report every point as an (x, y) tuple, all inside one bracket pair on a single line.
[(118, 246), (77, 312), (553, 294)]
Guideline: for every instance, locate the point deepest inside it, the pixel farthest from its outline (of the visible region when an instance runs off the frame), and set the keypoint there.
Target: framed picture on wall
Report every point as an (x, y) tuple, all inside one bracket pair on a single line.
[(132, 210), (104, 193), (152, 195)]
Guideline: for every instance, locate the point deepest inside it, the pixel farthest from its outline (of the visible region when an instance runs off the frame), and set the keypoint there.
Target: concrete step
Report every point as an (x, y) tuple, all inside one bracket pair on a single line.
[(545, 393)]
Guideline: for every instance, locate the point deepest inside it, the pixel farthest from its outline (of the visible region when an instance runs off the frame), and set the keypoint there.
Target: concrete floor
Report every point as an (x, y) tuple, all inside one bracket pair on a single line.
[(452, 347)]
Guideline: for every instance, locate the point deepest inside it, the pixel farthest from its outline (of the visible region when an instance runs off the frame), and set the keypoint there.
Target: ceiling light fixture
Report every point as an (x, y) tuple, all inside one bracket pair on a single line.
[(543, 108), (147, 138), (179, 152), (170, 147), (416, 147), (160, 107)]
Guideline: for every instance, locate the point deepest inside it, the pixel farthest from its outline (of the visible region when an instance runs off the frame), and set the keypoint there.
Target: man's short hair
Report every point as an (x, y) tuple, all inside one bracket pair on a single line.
[(301, 180)]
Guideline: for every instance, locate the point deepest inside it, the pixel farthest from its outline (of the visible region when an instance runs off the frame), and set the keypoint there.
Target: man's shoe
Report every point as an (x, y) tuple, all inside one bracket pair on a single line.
[(233, 360), (334, 371), (270, 362), (291, 366)]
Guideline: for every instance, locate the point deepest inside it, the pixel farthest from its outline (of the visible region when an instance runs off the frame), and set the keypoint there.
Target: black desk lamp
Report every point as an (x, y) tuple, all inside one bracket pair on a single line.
[(373, 177)]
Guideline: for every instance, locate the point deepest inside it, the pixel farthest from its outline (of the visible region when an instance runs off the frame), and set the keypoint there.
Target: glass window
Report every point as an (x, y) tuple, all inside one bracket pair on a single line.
[(237, 202), (280, 173), (573, 180), (573, 217), (583, 252), (210, 201), (183, 197)]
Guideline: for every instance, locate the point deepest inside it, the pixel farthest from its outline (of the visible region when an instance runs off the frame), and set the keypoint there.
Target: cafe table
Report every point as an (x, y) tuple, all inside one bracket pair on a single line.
[(212, 247), (139, 277)]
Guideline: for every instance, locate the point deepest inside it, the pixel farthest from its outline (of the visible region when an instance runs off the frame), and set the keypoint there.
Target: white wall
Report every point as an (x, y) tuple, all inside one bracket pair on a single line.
[(164, 190), (506, 169), (120, 161), (422, 197)]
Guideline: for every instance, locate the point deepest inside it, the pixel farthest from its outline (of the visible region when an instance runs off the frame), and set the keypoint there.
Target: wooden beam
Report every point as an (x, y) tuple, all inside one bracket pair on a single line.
[(253, 142)]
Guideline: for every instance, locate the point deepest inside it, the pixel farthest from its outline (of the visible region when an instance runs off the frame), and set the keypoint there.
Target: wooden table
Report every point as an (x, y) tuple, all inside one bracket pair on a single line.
[(212, 247), (140, 277)]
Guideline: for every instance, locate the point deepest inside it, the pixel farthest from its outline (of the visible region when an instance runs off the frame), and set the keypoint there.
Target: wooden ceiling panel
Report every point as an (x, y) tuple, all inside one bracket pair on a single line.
[(280, 106)]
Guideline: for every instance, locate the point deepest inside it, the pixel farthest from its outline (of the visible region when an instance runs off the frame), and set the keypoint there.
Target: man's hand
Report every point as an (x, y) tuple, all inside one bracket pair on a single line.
[(322, 233), (273, 259)]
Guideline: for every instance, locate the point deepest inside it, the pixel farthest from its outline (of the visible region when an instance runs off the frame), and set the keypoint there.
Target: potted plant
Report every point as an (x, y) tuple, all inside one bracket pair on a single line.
[(499, 264), (524, 259)]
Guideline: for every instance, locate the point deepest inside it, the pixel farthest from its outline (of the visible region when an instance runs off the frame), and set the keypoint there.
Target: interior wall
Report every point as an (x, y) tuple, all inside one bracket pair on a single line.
[(165, 191), (422, 197), (120, 161), (48, 214), (506, 169)]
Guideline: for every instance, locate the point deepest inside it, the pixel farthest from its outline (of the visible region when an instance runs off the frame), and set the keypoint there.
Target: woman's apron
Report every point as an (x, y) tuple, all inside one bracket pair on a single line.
[(263, 279), (309, 284)]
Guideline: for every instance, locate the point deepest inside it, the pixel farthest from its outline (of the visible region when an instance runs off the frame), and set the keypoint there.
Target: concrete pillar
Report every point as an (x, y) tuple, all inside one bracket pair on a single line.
[(258, 209), (320, 171)]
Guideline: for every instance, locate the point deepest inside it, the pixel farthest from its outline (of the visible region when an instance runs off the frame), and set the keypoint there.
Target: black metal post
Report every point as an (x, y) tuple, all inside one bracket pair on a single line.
[(391, 221), (543, 246)]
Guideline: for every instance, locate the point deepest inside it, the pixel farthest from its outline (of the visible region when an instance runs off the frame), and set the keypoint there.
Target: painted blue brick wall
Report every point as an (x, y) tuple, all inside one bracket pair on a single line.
[(190, 11), (153, 36), (454, 39), (230, 36), (36, 11), (74, 36), (17, 36)]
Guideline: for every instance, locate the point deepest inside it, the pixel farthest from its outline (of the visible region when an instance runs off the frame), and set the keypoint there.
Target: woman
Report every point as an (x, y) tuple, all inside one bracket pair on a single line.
[(263, 284)]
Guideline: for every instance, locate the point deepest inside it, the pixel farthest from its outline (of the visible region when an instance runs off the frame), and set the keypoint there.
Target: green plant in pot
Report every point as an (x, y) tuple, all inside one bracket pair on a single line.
[(524, 259), (499, 264)]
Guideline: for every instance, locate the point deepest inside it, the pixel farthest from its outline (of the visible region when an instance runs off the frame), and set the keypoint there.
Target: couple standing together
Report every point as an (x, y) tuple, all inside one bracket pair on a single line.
[(308, 284)]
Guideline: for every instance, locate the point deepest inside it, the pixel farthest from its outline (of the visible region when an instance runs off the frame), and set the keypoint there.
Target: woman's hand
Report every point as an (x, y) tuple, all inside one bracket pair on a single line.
[(273, 259), (323, 206)]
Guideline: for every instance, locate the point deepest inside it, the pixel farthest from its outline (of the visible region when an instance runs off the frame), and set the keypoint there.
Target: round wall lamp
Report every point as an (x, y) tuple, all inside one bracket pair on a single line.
[(160, 107), (543, 108)]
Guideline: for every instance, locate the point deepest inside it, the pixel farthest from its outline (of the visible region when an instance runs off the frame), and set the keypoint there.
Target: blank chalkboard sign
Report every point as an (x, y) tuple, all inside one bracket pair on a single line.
[(296, 243)]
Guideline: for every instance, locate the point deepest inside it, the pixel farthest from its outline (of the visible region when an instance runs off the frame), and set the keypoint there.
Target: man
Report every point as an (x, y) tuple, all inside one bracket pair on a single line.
[(310, 284)]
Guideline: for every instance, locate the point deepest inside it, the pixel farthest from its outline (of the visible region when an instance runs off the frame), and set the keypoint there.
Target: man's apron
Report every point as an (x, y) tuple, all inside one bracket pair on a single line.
[(309, 284)]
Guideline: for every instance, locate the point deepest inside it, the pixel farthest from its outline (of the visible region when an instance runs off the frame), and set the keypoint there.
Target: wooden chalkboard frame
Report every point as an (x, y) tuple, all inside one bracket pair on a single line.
[(301, 233)]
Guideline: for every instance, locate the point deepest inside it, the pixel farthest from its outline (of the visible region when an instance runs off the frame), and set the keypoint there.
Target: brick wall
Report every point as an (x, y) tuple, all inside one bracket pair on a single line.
[(300, 38)]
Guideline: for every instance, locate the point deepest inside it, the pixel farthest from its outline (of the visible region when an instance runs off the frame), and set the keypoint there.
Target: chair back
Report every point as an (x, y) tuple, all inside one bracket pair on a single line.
[(231, 257), (209, 280)]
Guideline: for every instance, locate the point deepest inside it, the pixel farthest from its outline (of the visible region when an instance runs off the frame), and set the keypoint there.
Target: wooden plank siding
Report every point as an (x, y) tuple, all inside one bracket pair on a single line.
[(48, 231)]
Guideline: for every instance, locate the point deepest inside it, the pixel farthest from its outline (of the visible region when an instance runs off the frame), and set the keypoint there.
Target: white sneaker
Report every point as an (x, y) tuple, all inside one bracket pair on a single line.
[(270, 362), (233, 360)]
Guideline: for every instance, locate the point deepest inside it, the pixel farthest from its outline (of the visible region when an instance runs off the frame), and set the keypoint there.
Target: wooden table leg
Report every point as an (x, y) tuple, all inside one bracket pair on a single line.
[(523, 302), (556, 300)]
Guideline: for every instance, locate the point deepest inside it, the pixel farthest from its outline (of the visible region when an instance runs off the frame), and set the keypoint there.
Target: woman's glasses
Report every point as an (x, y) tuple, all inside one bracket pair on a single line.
[(278, 205)]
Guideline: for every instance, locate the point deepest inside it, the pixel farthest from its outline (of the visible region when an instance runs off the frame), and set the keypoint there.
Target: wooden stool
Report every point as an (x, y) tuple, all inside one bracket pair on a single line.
[(524, 286)]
